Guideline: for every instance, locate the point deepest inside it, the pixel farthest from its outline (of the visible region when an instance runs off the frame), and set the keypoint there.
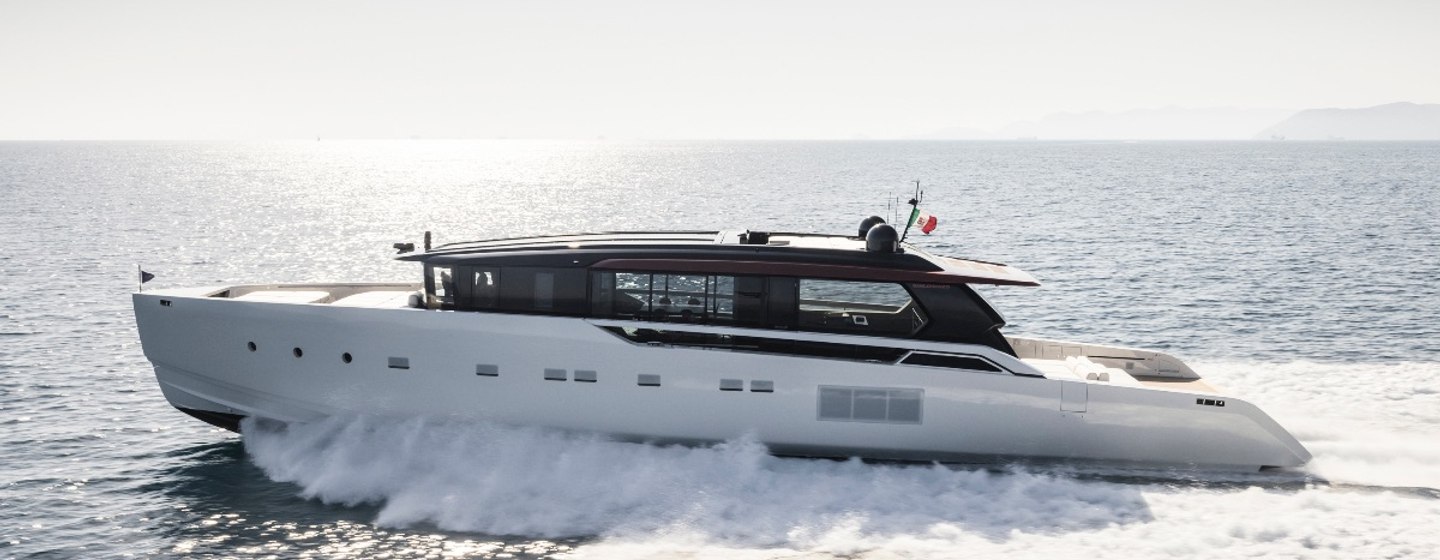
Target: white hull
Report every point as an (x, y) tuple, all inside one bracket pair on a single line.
[(199, 346)]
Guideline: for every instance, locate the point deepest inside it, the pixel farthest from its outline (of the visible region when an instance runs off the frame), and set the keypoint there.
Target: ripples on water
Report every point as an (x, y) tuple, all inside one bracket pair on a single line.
[(1297, 274)]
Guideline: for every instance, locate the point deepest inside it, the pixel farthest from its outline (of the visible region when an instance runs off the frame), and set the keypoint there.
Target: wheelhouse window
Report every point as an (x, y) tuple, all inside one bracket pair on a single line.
[(871, 308), (684, 298)]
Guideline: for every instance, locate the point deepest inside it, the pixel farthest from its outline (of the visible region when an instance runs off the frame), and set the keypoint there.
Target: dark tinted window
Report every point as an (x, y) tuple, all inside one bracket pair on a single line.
[(684, 298), (958, 314), (542, 290), (476, 288)]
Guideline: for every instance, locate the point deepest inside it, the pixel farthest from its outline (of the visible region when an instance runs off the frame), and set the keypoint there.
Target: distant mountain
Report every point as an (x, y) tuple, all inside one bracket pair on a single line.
[(956, 133), (1395, 121), (1170, 123)]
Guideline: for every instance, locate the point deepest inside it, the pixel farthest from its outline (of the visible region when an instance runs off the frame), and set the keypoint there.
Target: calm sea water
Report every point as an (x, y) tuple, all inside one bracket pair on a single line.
[(1301, 275)]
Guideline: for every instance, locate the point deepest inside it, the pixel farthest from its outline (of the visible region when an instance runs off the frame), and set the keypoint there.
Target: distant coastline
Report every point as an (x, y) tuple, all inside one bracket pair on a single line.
[(1392, 121)]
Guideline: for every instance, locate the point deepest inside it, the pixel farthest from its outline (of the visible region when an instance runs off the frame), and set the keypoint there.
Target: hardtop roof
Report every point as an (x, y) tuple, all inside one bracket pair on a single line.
[(836, 255)]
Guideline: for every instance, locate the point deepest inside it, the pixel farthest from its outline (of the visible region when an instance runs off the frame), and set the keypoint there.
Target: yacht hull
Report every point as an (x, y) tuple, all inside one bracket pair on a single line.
[(314, 360)]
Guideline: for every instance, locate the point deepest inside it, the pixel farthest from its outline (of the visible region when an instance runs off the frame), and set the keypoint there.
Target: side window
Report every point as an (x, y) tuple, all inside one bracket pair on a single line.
[(440, 286), (633, 293), (691, 298), (558, 291), (873, 308), (477, 288), (685, 298)]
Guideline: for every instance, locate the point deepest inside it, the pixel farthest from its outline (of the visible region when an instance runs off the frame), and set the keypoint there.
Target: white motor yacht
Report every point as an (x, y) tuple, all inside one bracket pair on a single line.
[(815, 345)]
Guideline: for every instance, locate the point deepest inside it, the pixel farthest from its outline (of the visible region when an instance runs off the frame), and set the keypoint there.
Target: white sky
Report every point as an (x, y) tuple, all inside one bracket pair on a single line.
[(733, 69)]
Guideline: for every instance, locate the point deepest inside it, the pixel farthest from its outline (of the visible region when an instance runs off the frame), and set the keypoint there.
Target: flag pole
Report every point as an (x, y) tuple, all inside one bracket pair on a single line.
[(914, 207)]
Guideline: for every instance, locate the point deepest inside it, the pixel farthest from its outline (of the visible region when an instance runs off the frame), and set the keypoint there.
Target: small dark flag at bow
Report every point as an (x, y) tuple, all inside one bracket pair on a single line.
[(144, 277)]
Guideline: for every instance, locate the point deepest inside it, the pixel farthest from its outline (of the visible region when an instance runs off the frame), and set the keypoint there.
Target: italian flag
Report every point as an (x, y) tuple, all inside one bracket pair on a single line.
[(923, 220)]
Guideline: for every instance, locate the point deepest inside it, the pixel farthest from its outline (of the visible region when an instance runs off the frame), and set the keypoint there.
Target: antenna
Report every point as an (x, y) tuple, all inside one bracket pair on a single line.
[(914, 209)]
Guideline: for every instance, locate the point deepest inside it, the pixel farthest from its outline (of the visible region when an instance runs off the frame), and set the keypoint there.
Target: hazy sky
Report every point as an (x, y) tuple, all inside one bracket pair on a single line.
[(733, 69)]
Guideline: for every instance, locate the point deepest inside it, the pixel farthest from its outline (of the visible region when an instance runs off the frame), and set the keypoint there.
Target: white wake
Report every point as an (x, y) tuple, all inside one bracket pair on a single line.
[(735, 499)]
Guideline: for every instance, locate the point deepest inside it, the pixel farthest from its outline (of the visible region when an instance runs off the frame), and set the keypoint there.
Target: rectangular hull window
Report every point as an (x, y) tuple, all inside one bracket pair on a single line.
[(871, 404)]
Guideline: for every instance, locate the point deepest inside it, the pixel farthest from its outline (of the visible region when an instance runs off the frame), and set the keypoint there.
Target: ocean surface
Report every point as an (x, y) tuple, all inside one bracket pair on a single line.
[(1304, 276)]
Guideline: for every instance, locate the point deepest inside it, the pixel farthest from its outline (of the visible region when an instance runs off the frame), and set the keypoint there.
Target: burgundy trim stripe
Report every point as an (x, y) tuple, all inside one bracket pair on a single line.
[(804, 270)]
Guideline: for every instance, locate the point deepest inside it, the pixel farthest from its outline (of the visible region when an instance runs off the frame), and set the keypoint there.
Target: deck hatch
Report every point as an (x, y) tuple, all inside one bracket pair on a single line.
[(871, 404), (556, 374), (399, 363), (761, 386), (732, 384), (586, 375), (487, 370), (648, 380)]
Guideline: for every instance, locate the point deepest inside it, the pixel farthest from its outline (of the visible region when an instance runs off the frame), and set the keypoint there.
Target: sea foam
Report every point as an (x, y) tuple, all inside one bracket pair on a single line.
[(735, 499)]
